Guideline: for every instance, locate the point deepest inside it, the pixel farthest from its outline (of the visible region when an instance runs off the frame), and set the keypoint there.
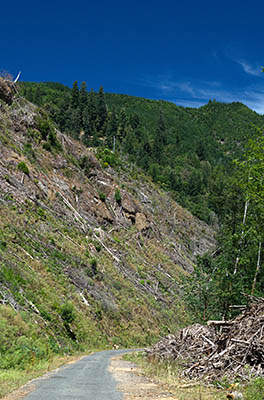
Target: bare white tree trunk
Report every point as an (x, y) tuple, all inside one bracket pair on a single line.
[(257, 270), (245, 212), (242, 236), (17, 77)]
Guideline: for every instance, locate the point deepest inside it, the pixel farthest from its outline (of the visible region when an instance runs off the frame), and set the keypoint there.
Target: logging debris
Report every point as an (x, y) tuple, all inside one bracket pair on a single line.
[(236, 351)]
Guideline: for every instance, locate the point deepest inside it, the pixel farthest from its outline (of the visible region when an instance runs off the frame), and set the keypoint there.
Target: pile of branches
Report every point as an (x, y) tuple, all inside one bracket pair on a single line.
[(236, 350)]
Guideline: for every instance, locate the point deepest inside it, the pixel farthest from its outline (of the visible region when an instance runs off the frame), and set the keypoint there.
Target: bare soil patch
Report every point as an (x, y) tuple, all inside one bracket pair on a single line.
[(134, 385)]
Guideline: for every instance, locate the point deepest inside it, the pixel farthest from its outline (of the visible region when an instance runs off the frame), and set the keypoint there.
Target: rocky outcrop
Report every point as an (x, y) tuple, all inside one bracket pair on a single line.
[(129, 204), (7, 91), (141, 222), (103, 213)]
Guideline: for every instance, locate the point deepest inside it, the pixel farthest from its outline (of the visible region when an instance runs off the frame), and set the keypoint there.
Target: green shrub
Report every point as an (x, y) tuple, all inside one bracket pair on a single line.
[(102, 196), (41, 212), (22, 166), (108, 158), (98, 246), (47, 131), (52, 139), (45, 315), (33, 134), (3, 245), (85, 164), (47, 146), (117, 285), (67, 313), (118, 198), (28, 150), (93, 265), (44, 126), (98, 313)]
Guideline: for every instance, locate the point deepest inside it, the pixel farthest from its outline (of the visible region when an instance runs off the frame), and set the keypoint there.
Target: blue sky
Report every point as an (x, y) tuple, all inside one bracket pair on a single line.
[(185, 52)]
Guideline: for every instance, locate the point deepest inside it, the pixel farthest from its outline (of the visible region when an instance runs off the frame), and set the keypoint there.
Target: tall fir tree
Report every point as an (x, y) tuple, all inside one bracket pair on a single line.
[(92, 110), (89, 119), (159, 138), (29, 95), (122, 124), (76, 122), (111, 130), (75, 96), (63, 113), (83, 96), (37, 96), (102, 112), (134, 121)]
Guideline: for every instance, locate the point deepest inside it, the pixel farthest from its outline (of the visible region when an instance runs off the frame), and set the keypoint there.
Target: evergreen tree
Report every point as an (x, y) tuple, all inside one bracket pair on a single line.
[(155, 171), (95, 141), (68, 119), (121, 130), (37, 96), (75, 96), (89, 119), (30, 95), (111, 130), (159, 139), (92, 110), (102, 111), (83, 97), (86, 125), (201, 150), (145, 151), (63, 114), (134, 121), (76, 122)]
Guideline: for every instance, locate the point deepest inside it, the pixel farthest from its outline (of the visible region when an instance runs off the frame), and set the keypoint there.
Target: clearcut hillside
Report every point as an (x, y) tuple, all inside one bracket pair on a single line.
[(91, 249)]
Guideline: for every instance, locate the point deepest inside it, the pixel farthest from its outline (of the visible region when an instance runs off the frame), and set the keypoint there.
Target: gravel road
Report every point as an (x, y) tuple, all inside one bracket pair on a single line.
[(88, 378)]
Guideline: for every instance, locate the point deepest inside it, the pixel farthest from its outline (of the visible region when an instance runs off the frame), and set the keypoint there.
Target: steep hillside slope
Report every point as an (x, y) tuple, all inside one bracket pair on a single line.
[(90, 255), (189, 151)]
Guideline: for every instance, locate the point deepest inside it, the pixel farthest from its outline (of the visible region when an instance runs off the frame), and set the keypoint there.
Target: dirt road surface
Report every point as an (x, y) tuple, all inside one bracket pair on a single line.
[(134, 385), (99, 376)]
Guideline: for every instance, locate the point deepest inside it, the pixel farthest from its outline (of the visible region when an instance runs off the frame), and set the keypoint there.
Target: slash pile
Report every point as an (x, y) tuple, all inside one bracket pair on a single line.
[(236, 351)]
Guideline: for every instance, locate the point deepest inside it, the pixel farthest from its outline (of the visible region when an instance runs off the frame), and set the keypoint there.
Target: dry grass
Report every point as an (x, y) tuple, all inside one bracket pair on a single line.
[(168, 375)]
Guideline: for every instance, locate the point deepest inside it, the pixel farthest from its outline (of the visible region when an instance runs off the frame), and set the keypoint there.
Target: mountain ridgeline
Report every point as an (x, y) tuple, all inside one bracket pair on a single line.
[(188, 151)]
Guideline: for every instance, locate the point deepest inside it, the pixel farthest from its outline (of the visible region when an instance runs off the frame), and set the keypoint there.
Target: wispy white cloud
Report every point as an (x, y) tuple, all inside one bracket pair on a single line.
[(167, 85), (198, 93), (248, 68), (188, 103)]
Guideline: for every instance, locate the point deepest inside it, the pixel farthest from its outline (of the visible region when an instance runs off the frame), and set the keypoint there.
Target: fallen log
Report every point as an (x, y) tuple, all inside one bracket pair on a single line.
[(219, 323)]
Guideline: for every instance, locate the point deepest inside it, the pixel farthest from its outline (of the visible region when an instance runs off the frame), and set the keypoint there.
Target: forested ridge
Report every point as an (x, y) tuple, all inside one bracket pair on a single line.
[(188, 151)]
